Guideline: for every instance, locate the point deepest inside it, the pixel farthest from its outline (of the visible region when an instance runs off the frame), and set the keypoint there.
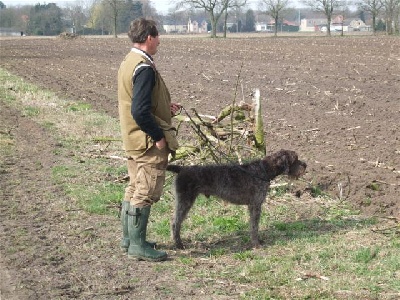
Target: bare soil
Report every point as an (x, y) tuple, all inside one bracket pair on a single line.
[(336, 101)]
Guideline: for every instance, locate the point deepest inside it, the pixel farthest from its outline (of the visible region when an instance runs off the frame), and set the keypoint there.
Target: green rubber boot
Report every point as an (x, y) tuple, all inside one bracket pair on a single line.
[(137, 227), (124, 222)]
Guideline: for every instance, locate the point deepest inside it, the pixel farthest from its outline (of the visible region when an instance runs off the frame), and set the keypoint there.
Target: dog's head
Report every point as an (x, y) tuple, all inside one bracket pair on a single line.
[(287, 162)]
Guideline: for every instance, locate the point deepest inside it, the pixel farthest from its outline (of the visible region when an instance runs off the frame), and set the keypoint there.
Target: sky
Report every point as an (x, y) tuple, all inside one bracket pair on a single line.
[(162, 6)]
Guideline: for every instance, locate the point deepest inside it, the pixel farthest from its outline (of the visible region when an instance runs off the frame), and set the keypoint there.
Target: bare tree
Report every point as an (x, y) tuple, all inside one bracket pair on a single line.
[(374, 7), (214, 8), (392, 13), (76, 13), (232, 4), (274, 9), (328, 7), (116, 7)]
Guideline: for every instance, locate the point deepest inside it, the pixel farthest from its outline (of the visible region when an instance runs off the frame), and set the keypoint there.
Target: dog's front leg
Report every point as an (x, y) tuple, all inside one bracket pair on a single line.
[(255, 212)]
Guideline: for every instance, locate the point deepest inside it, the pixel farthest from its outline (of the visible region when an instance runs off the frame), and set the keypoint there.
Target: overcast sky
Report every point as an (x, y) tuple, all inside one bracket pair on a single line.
[(161, 5)]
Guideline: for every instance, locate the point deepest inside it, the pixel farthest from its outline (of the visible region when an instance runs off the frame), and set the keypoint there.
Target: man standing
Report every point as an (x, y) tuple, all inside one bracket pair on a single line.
[(145, 112)]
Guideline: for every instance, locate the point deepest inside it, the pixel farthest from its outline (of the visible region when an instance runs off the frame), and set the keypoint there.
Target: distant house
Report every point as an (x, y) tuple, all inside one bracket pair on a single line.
[(359, 25), (175, 28), (311, 25), (263, 27), (196, 27), (337, 24), (270, 26), (190, 27)]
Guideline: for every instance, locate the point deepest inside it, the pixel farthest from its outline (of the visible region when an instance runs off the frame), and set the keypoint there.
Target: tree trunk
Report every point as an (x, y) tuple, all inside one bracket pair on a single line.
[(374, 24), (328, 26), (226, 18), (213, 25)]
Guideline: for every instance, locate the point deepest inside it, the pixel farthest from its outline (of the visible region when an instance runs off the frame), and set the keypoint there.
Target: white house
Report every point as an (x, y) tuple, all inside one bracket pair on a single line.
[(310, 25), (190, 27), (175, 28), (196, 27), (337, 24), (263, 27)]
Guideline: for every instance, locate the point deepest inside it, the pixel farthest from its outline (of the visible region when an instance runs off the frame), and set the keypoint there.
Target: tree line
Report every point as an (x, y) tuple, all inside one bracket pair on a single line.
[(114, 16)]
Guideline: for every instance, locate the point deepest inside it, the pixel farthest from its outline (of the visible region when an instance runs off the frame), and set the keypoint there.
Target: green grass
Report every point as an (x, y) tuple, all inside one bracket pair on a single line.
[(304, 239), (30, 111)]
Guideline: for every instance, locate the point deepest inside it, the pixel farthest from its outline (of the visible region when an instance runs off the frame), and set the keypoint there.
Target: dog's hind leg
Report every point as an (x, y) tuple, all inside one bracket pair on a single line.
[(255, 212), (183, 203)]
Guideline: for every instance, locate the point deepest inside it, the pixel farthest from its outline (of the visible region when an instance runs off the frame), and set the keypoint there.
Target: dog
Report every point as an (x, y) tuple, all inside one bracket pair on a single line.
[(245, 184)]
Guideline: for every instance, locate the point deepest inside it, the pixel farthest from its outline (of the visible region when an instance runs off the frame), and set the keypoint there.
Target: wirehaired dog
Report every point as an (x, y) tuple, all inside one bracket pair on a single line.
[(245, 184)]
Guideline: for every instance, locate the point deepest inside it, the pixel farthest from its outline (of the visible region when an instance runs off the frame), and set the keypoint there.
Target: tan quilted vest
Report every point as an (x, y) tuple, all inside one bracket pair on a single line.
[(135, 141)]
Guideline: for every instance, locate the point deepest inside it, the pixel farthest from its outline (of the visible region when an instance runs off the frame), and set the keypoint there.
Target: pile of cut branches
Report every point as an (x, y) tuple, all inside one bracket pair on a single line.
[(236, 134)]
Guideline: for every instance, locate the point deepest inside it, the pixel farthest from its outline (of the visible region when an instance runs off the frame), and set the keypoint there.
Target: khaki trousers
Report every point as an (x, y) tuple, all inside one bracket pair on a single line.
[(146, 177)]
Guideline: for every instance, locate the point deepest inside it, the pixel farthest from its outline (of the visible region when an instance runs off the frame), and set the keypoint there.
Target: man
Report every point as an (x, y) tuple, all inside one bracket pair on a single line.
[(145, 111)]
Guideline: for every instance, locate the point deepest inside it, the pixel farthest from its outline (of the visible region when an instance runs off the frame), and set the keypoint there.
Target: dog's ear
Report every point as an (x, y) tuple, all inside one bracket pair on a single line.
[(284, 159), (282, 162), (292, 157)]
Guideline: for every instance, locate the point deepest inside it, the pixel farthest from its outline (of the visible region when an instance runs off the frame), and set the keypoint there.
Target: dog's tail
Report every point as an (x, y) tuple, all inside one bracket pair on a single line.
[(174, 168)]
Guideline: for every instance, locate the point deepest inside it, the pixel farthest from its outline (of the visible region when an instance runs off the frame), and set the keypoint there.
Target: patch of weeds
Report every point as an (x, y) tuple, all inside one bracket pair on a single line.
[(302, 258), (367, 201), (365, 255), (48, 125), (199, 220), (162, 227), (279, 191), (376, 289), (396, 244), (12, 250), (8, 98), (229, 223), (244, 256), (61, 174), (104, 200), (162, 208), (166, 290), (217, 252), (374, 186), (316, 191), (78, 106), (293, 226), (160, 267), (245, 239), (281, 210), (340, 211), (21, 232), (30, 111), (186, 260)]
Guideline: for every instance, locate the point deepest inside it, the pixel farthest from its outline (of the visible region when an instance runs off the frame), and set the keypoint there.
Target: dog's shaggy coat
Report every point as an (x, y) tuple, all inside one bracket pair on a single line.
[(245, 184)]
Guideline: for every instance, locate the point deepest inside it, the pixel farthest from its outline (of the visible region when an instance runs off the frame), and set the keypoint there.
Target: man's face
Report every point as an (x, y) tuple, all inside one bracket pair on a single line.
[(152, 44)]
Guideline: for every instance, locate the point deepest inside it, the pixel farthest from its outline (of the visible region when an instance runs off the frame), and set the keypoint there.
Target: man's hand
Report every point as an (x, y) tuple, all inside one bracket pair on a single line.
[(175, 107), (161, 144)]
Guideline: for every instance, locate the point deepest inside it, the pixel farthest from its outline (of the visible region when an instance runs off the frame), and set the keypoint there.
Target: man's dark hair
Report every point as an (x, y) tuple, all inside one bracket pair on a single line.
[(141, 28)]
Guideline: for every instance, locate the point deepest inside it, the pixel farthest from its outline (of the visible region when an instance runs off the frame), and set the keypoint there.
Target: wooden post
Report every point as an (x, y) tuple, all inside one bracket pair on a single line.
[(258, 122)]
